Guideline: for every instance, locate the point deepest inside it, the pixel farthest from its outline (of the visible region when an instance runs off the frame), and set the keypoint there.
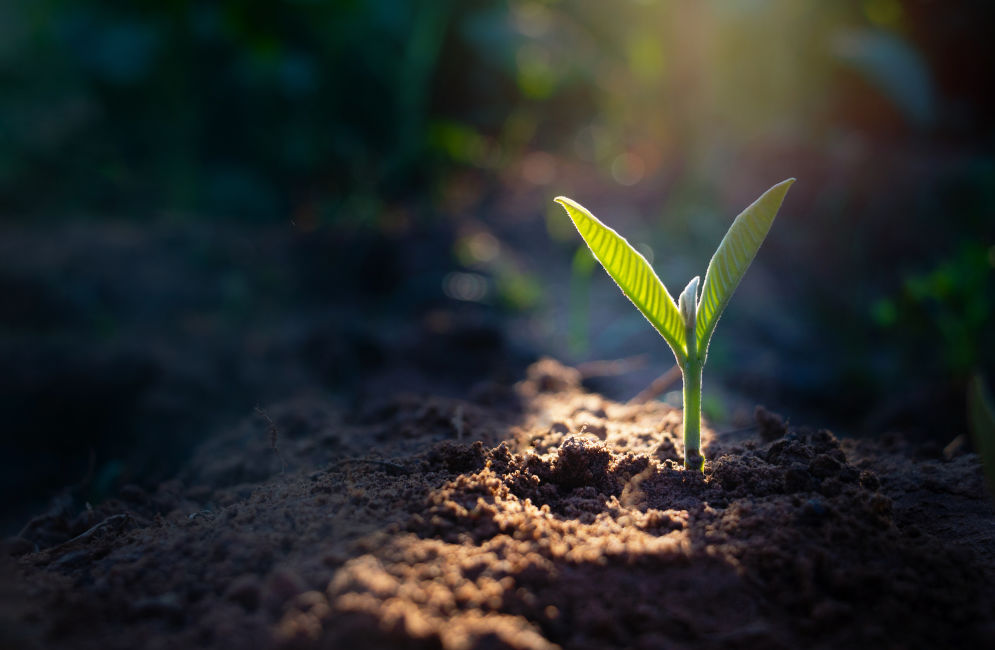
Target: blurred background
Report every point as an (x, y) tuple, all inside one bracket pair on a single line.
[(211, 206)]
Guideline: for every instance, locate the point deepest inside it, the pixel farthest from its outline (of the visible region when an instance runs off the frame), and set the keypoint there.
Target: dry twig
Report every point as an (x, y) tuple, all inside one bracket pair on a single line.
[(658, 387)]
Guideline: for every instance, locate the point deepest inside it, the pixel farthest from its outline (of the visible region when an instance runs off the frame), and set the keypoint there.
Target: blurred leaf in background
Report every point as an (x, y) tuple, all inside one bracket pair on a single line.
[(948, 309)]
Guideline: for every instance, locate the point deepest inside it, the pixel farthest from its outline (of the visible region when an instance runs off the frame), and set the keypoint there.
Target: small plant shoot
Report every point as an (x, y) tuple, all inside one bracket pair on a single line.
[(687, 325)]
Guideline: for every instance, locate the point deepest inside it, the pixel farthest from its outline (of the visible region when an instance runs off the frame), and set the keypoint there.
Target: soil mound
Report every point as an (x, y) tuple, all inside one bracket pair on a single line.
[(536, 518)]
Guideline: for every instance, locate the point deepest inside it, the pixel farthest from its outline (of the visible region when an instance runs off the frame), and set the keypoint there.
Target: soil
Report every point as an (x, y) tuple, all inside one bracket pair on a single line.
[(535, 517)]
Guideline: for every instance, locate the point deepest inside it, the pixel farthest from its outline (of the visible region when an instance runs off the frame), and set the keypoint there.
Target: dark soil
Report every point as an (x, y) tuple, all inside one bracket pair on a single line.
[(535, 518)]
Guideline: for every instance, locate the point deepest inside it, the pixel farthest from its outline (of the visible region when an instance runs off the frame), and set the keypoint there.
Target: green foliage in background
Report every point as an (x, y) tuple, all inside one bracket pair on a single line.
[(252, 109), (236, 108), (949, 308)]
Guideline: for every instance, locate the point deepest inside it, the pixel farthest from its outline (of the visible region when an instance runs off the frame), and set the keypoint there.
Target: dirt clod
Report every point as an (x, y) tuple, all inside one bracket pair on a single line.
[(770, 426)]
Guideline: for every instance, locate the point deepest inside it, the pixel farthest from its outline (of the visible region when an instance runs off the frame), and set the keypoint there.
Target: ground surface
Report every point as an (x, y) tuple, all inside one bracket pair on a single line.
[(540, 517)]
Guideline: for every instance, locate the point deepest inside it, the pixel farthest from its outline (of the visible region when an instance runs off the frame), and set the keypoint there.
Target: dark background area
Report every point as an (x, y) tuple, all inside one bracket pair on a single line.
[(212, 206)]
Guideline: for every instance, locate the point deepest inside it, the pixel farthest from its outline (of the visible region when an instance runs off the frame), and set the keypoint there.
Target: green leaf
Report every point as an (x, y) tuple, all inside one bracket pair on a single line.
[(733, 257), (633, 274)]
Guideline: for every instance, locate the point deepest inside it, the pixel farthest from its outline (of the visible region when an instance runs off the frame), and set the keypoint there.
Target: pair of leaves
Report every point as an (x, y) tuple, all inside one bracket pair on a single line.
[(637, 280)]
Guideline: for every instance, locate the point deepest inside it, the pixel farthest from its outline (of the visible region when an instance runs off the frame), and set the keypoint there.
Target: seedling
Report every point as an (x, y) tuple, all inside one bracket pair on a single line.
[(686, 326)]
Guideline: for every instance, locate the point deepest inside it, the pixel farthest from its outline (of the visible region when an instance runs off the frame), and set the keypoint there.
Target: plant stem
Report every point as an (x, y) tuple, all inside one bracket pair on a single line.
[(692, 416), (692, 398)]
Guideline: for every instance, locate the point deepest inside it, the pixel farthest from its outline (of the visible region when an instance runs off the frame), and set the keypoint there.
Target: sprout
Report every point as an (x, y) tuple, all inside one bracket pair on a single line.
[(687, 326)]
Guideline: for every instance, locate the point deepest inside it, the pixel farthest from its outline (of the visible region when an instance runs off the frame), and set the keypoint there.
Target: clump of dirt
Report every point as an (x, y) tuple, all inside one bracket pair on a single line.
[(545, 517)]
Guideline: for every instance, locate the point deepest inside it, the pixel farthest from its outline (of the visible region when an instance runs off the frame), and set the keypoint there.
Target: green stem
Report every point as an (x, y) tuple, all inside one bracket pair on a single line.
[(692, 400), (692, 416)]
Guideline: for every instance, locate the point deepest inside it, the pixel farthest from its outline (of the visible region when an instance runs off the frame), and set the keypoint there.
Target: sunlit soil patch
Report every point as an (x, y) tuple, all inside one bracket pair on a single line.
[(591, 535)]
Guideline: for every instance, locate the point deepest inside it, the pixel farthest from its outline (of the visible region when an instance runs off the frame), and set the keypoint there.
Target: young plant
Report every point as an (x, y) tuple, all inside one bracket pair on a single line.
[(688, 325)]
